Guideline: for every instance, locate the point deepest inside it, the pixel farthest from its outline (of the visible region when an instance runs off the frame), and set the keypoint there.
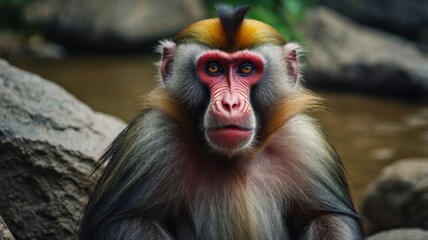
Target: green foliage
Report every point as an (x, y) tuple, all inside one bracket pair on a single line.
[(283, 15), (12, 16)]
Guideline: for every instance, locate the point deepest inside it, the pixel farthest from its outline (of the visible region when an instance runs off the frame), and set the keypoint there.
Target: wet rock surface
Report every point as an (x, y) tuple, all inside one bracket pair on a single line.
[(398, 198), (401, 234), (49, 143), (12, 45), (404, 17), (5, 234), (113, 24), (343, 55)]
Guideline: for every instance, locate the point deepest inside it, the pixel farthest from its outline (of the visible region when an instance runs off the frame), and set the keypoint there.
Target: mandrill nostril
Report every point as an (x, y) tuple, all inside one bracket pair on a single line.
[(230, 102), (230, 106)]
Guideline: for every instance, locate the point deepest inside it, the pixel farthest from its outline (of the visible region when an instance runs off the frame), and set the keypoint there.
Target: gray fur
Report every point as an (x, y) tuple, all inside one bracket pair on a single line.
[(160, 185), (184, 84)]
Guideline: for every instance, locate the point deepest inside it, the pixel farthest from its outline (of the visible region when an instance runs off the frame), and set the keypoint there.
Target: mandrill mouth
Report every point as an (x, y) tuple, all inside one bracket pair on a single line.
[(230, 137)]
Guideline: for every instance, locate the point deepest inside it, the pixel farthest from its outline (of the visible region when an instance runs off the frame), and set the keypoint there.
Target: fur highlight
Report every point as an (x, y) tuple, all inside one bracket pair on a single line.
[(237, 33)]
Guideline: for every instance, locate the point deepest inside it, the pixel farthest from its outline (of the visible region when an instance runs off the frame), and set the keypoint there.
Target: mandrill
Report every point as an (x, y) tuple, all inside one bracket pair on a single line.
[(223, 148)]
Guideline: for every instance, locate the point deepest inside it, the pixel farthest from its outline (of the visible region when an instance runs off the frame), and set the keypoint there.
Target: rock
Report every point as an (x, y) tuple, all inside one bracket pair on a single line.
[(398, 198), (404, 17), (344, 55), (49, 143), (12, 45), (5, 234), (38, 47), (112, 23), (401, 234)]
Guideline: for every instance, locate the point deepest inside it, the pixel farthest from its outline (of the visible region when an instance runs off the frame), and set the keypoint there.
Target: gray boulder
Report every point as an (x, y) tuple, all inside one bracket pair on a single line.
[(404, 17), (344, 55), (5, 234), (113, 23), (398, 198), (49, 143), (401, 234)]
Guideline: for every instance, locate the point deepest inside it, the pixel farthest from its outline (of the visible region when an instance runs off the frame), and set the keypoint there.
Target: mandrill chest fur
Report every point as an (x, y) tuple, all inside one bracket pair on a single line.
[(231, 199)]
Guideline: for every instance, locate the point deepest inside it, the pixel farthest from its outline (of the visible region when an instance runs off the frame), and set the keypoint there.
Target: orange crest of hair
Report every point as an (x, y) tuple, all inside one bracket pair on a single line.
[(211, 33)]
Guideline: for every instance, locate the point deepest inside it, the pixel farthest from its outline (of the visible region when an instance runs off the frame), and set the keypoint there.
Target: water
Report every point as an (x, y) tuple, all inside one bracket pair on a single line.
[(369, 133)]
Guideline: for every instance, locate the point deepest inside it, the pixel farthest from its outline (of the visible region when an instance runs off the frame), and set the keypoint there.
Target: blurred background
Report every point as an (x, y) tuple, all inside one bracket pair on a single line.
[(368, 58)]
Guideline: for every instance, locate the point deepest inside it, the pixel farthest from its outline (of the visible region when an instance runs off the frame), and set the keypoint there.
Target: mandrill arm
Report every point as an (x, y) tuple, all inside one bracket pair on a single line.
[(332, 227), (130, 196), (319, 202)]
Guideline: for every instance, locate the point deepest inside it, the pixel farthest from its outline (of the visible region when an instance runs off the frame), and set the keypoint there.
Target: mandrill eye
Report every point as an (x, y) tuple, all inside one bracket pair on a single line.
[(246, 69), (214, 69)]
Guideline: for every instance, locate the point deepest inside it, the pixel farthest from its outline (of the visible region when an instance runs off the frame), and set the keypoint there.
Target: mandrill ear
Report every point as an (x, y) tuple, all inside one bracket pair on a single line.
[(292, 52), (167, 49)]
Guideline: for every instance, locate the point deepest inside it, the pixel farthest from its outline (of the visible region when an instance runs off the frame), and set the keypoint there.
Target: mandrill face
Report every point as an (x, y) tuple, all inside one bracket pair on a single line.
[(229, 91), (230, 122), (229, 81)]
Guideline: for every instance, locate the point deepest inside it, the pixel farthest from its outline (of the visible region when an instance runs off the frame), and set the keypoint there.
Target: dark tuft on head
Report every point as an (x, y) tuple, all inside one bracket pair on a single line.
[(231, 19)]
